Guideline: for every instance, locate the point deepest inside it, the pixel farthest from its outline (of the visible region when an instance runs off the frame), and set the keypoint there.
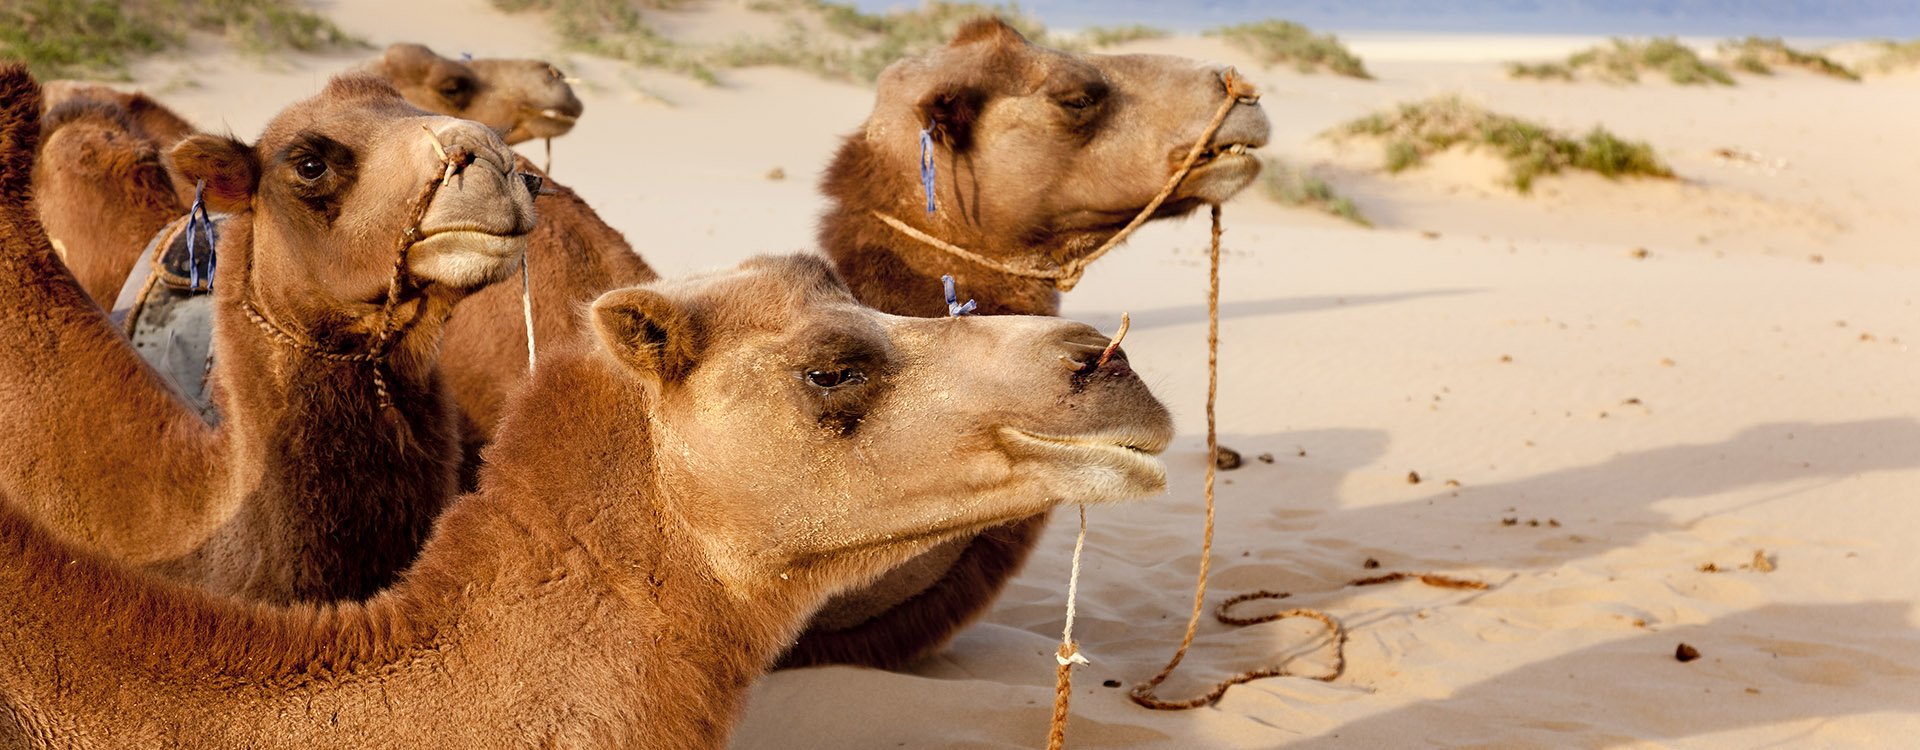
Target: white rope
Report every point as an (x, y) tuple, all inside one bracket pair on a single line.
[(1073, 590), (526, 303)]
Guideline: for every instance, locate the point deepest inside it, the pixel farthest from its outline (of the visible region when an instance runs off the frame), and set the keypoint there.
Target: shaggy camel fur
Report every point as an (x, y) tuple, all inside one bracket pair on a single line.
[(1041, 156), (662, 510), (98, 162), (104, 184), (309, 489)]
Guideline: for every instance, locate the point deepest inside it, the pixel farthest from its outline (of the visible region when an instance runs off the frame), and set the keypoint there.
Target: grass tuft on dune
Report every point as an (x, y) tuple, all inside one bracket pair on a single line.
[(1292, 186), (1760, 56), (1624, 60), (835, 41), (1275, 41), (92, 38), (1415, 131)]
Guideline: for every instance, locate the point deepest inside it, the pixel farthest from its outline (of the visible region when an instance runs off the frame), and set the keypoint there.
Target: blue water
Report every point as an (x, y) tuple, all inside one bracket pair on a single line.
[(1797, 18)]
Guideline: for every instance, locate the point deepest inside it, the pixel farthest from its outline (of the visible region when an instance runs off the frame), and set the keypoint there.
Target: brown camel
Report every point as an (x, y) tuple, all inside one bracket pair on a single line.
[(1040, 156), (664, 507), (104, 184), (339, 444)]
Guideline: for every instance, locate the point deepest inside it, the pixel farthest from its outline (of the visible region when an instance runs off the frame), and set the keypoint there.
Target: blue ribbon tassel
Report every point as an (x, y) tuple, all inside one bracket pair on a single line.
[(199, 222), (926, 165), (954, 308)]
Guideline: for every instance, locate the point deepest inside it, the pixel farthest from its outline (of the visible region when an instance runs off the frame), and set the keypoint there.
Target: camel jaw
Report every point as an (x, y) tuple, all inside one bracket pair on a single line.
[(1106, 467), (466, 258)]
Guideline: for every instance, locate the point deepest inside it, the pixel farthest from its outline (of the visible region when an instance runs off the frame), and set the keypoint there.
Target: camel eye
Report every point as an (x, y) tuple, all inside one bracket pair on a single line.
[(830, 379), (453, 88), (310, 168)]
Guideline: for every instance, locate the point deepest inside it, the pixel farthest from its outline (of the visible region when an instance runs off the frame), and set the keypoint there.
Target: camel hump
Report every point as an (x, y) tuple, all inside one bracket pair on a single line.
[(19, 130)]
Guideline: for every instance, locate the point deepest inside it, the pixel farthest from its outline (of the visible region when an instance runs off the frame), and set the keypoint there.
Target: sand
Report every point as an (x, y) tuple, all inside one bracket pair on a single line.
[(1591, 425)]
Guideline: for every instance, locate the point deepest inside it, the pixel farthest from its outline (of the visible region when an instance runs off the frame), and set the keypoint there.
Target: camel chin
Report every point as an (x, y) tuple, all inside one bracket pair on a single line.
[(1099, 468), (465, 259)]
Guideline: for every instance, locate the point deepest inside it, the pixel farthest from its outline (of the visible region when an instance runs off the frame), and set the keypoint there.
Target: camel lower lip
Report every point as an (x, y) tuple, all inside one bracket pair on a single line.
[(1117, 466)]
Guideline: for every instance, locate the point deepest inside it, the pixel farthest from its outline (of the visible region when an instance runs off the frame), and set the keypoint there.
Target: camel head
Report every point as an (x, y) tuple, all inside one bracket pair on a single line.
[(1032, 142), (325, 197), (520, 99), (806, 437)]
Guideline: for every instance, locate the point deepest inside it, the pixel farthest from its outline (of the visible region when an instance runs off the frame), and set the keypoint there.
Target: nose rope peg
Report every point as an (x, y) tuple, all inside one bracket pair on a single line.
[(926, 165), (1239, 88), (446, 175), (955, 308), (1126, 321), (200, 222)]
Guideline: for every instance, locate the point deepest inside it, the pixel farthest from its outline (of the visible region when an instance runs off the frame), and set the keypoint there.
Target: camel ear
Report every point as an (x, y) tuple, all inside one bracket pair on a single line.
[(231, 170), (405, 61), (647, 332), (952, 110)]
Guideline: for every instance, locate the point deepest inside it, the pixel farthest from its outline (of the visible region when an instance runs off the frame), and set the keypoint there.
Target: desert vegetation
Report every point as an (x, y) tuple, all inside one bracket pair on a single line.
[(1291, 185), (1625, 60), (98, 38), (1100, 37), (1761, 56), (836, 41), (1274, 42), (1412, 132)]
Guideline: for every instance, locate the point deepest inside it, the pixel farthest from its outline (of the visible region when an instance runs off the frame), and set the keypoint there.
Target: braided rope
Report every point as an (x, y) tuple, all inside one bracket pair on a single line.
[(379, 345)]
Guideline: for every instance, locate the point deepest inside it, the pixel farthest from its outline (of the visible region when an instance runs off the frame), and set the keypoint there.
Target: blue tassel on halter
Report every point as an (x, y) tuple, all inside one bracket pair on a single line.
[(954, 308), (926, 164), (199, 222)]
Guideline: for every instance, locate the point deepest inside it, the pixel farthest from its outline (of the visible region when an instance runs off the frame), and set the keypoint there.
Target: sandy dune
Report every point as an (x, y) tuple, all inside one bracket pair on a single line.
[(1636, 418)]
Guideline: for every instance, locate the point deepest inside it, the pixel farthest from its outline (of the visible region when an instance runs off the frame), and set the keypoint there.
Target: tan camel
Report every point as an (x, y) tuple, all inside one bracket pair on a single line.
[(314, 487), (104, 184), (664, 507), (1041, 155)]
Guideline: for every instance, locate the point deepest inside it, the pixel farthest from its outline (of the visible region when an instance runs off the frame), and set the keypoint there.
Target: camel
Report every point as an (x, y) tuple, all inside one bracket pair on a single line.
[(104, 183), (1040, 156), (339, 444), (666, 503)]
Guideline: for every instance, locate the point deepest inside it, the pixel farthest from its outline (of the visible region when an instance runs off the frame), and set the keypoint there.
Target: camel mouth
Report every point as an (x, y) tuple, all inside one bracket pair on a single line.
[(466, 258), (1112, 465), (550, 122), (1218, 174)]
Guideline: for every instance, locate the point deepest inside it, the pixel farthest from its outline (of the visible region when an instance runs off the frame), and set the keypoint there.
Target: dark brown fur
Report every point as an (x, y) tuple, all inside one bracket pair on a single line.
[(307, 491)]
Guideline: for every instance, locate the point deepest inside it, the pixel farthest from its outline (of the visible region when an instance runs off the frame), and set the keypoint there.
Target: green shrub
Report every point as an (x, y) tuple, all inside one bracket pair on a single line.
[(1412, 132), (1297, 187), (1623, 61), (1760, 56), (1275, 41), (1108, 36), (59, 38)]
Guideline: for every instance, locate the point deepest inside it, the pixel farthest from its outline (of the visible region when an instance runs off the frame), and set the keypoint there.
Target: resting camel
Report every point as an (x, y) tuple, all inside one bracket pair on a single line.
[(1040, 156), (103, 181), (666, 503), (339, 444)]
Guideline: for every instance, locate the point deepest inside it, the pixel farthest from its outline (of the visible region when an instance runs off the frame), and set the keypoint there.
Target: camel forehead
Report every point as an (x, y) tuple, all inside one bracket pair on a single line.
[(349, 105), (765, 294)]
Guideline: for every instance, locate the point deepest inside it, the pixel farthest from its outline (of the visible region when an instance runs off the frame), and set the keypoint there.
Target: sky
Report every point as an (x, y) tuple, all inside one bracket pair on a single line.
[(1789, 18)]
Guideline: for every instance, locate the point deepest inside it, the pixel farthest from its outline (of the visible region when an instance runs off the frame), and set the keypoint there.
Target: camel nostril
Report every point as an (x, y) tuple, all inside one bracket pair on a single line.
[(533, 182)]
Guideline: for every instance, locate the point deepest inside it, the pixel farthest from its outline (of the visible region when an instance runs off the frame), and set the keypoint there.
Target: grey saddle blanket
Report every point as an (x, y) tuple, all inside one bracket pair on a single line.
[(166, 310)]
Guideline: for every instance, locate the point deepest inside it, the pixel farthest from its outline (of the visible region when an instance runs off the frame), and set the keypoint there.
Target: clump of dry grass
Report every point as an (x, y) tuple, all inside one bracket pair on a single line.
[(1412, 132), (1623, 61), (833, 40), (1896, 56), (60, 38), (1275, 41), (1292, 186), (1101, 37), (1760, 56)]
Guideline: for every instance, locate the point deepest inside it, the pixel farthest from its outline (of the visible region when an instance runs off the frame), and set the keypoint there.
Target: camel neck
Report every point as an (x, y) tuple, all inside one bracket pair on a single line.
[(304, 433), (563, 599), (896, 273)]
